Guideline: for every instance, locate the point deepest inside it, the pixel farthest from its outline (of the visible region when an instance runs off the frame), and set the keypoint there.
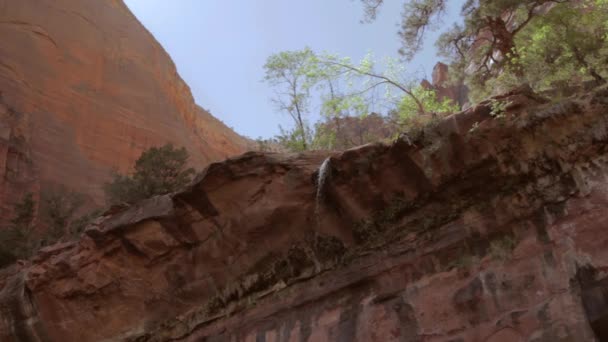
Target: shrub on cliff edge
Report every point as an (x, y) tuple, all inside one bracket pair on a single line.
[(16, 240), (159, 170)]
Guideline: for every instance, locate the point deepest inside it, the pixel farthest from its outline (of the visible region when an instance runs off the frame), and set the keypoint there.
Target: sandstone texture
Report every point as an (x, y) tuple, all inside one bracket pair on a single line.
[(446, 88), (482, 228), (84, 89)]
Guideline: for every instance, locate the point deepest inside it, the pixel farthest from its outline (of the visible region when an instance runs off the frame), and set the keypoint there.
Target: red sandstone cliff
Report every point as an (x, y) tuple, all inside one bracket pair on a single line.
[(484, 229), (445, 89), (84, 88)]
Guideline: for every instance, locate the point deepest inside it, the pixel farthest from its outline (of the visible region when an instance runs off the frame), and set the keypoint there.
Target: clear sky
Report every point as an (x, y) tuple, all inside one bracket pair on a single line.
[(220, 47)]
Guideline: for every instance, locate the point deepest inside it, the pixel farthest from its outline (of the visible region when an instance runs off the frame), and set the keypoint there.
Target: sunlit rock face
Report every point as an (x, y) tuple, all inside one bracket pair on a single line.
[(481, 229), (84, 89), (447, 88)]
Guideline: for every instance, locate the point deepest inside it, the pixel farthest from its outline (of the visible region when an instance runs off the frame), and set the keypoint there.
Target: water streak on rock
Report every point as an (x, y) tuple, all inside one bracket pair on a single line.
[(322, 179)]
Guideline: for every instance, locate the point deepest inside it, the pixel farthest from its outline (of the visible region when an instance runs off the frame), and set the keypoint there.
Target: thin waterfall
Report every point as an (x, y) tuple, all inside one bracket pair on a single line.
[(322, 179)]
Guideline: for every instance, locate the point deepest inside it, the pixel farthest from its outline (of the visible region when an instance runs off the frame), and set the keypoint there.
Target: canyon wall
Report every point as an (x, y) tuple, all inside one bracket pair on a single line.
[(482, 228), (84, 89)]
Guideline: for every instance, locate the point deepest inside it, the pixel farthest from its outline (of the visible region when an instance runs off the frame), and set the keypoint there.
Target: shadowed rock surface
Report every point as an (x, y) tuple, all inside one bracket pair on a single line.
[(84, 89), (483, 229)]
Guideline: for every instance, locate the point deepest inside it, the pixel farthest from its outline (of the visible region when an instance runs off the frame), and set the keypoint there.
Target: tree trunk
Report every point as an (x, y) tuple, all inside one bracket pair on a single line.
[(301, 125)]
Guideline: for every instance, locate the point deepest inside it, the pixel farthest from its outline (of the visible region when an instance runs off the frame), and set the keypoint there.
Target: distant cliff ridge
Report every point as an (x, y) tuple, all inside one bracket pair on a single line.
[(84, 89)]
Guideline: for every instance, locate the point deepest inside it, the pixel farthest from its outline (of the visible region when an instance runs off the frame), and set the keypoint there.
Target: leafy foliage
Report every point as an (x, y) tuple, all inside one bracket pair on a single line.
[(419, 15), (340, 133), (56, 218), (294, 140), (407, 119), (346, 89), (498, 108), (499, 45), (289, 72), (24, 212), (16, 240), (505, 43), (566, 44), (502, 249), (267, 145), (429, 99), (61, 214), (159, 170), (365, 79)]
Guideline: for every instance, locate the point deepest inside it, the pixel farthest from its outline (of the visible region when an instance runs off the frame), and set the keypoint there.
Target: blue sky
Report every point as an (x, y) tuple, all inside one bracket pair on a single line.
[(220, 47)]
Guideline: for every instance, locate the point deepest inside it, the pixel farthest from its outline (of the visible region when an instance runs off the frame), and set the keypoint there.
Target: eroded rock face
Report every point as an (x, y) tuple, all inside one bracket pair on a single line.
[(84, 89), (481, 229), (446, 88)]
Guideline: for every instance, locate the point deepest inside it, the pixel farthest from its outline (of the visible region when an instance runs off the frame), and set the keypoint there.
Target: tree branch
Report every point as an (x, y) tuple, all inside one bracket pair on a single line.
[(385, 79)]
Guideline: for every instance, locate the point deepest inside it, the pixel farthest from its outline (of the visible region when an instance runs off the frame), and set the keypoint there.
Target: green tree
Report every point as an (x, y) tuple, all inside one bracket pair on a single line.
[(59, 208), (430, 101), (346, 89), (290, 74), (159, 170), (350, 131), (366, 78), (565, 46), (406, 118), (493, 42), (493, 24), (24, 213), (294, 140), (16, 241)]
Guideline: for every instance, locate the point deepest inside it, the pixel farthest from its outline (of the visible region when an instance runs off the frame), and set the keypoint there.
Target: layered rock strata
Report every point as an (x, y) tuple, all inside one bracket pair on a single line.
[(482, 228)]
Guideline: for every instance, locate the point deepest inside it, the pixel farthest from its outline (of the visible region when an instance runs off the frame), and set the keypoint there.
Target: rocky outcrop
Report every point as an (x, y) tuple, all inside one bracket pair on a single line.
[(84, 90), (445, 88), (484, 228)]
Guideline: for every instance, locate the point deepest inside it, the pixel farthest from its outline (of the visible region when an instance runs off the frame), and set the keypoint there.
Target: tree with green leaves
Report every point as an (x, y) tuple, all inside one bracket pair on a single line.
[(159, 170), (294, 140), (350, 131), (346, 89), (24, 213), (567, 45), (492, 24), (493, 43), (59, 209), (290, 74), (368, 78), (406, 109), (16, 241), (410, 103)]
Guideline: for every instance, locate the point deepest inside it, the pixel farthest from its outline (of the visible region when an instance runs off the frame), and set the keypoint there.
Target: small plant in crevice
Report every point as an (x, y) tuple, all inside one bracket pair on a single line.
[(502, 249), (251, 302), (369, 229), (499, 108), (365, 230), (214, 305), (379, 223), (328, 248), (474, 128)]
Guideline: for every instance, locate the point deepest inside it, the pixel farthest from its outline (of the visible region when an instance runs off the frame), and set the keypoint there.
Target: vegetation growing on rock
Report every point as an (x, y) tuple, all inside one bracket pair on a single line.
[(59, 216), (158, 171), (548, 45), (16, 240)]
